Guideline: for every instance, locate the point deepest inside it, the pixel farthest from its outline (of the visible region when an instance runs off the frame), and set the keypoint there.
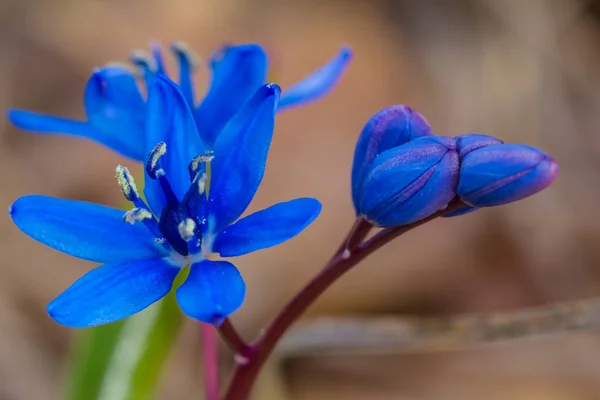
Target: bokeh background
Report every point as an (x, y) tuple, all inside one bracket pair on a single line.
[(525, 71)]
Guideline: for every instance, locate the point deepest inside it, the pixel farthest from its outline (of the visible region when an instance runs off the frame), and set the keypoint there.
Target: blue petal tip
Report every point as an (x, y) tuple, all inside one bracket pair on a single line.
[(271, 89), (346, 53)]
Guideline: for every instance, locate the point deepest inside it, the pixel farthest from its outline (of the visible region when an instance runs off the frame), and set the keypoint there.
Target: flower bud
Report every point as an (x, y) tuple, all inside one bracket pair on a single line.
[(391, 127), (465, 144), (410, 182), (503, 173)]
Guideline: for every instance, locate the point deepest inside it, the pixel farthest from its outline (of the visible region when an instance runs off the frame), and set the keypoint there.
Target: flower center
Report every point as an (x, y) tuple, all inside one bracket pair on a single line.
[(181, 225)]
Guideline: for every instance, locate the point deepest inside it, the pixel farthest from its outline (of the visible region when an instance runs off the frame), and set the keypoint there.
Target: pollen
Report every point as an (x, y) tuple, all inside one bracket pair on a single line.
[(136, 215), (204, 158), (187, 229), (153, 159), (202, 184), (127, 183)]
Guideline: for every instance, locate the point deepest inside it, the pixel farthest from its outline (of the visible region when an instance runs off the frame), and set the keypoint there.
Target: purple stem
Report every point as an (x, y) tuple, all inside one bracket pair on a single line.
[(348, 255)]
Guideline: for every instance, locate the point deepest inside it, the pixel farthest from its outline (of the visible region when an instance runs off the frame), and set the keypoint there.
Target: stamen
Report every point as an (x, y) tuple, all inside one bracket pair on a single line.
[(187, 63), (127, 183), (158, 58), (187, 229), (195, 166), (155, 171), (137, 215), (143, 61), (153, 167), (182, 50), (142, 214)]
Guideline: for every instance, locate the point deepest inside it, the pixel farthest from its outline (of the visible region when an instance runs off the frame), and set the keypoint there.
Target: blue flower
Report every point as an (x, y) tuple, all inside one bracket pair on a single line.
[(116, 109), (194, 198)]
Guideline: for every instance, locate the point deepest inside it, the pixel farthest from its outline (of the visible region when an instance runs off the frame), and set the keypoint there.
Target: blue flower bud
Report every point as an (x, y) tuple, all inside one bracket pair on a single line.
[(410, 182), (473, 141), (391, 127), (465, 144), (503, 173)]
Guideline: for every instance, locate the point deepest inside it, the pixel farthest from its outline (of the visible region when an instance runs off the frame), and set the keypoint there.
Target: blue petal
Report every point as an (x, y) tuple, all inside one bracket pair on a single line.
[(212, 291), (41, 123), (85, 230), (115, 107), (504, 173), (411, 182), (391, 127), (241, 156), (267, 228), (238, 71), (113, 292), (170, 120), (317, 84)]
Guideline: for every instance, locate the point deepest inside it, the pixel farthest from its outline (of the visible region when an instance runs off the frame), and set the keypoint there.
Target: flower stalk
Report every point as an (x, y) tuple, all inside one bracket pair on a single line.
[(234, 340), (210, 358), (342, 261)]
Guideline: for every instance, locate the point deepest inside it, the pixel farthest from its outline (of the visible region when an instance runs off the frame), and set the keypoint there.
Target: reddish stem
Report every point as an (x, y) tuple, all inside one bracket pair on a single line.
[(345, 258), (357, 234), (210, 357), (235, 341)]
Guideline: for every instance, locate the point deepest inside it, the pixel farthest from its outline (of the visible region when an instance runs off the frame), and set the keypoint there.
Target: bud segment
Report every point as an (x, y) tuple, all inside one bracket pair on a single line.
[(410, 182), (465, 144), (389, 128), (503, 173)]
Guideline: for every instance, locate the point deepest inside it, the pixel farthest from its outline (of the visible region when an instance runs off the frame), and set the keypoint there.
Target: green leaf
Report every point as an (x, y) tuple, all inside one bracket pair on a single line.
[(123, 360)]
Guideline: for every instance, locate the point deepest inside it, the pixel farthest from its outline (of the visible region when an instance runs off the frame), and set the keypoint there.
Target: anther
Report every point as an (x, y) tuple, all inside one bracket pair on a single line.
[(125, 180), (155, 171), (183, 52), (143, 61), (137, 215), (198, 164), (187, 229), (153, 167)]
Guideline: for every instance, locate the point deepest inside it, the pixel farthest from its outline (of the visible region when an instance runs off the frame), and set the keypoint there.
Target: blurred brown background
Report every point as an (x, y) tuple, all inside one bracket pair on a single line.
[(525, 71)]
